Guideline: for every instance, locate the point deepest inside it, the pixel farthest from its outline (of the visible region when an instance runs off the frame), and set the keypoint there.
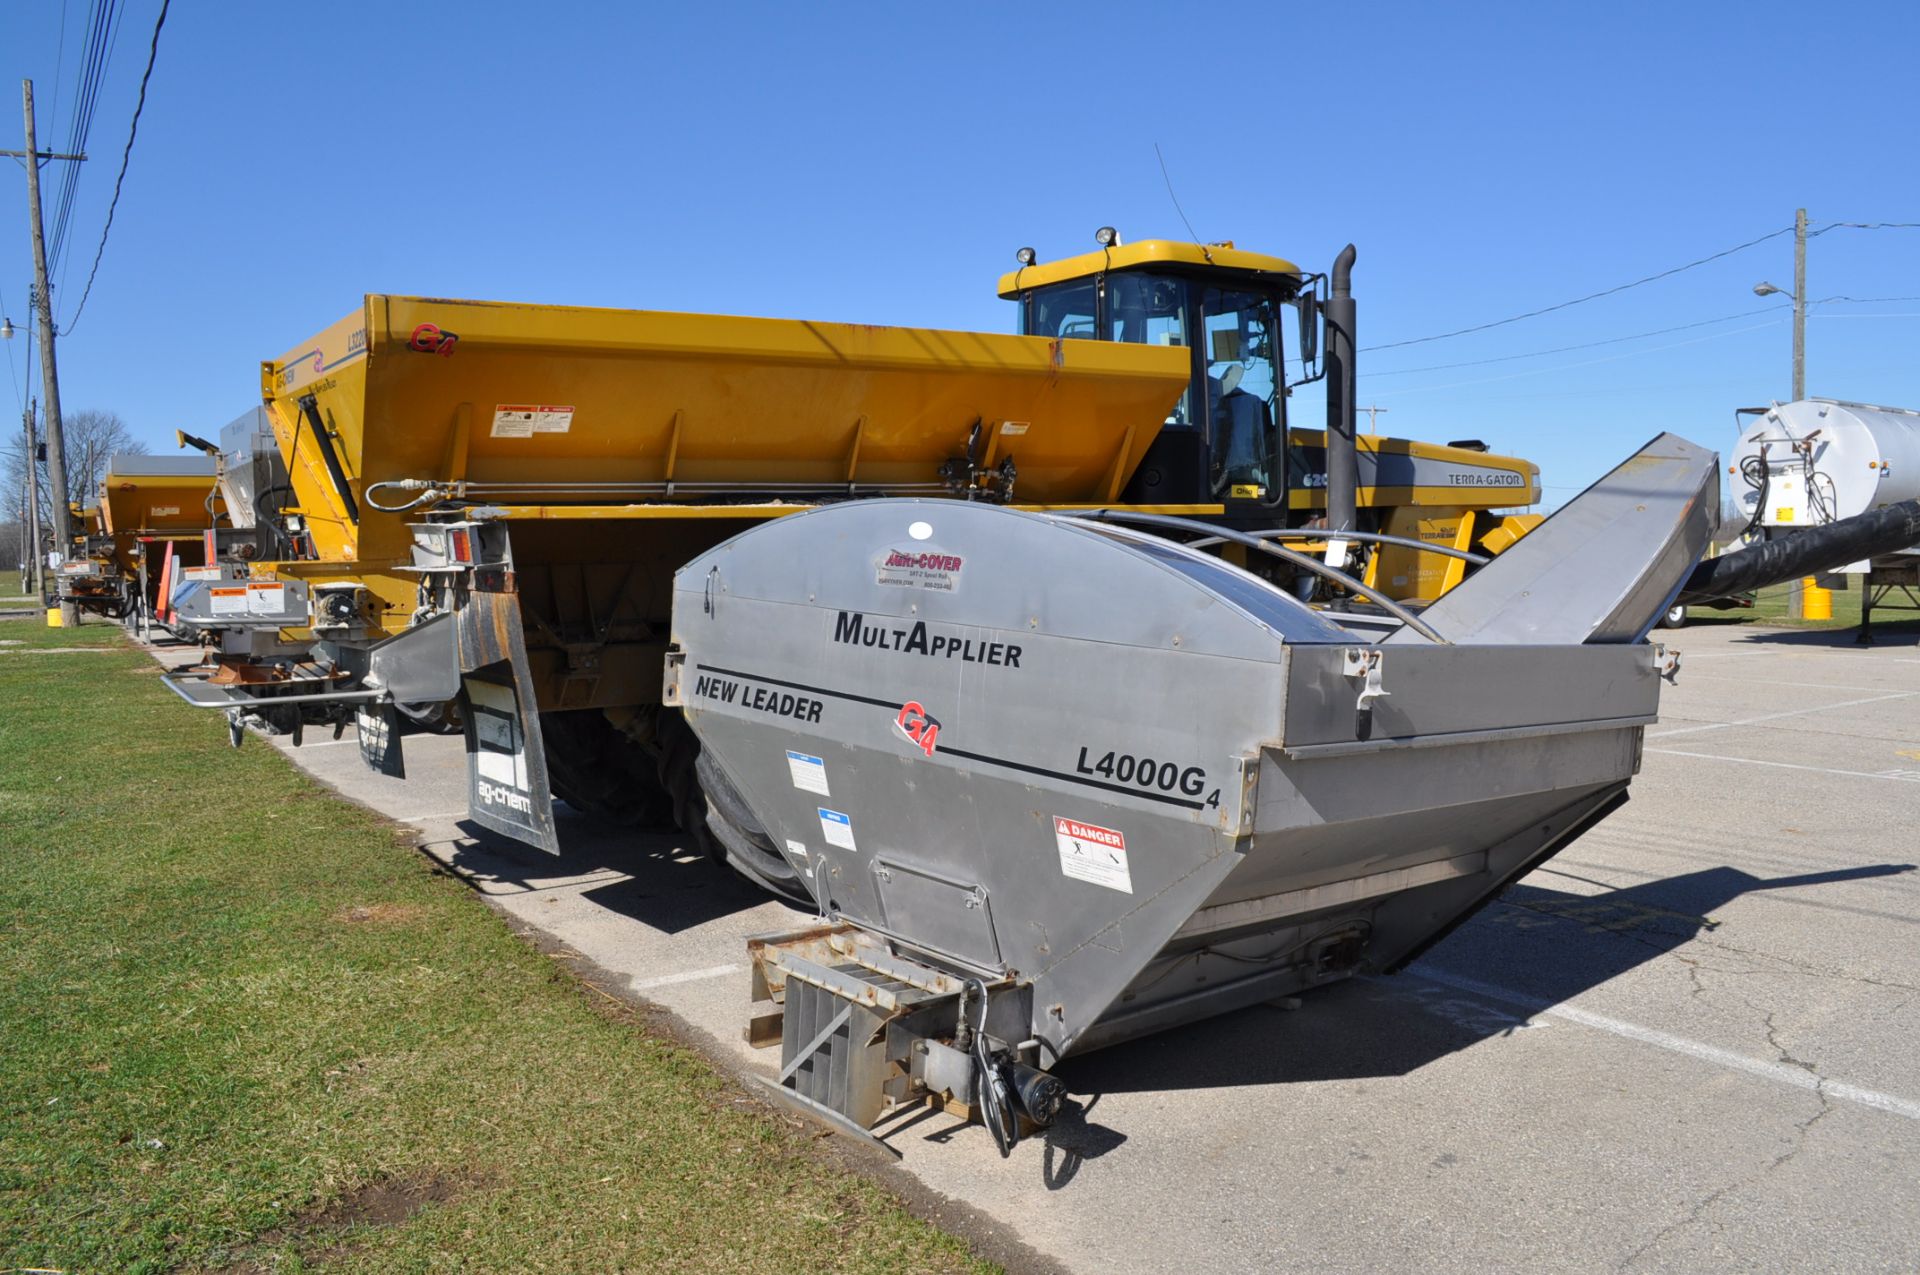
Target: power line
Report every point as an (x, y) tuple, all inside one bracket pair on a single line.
[(1865, 225), (92, 77), (59, 65), (1594, 296), (1606, 358), (1637, 336), (153, 51), (1585, 345)]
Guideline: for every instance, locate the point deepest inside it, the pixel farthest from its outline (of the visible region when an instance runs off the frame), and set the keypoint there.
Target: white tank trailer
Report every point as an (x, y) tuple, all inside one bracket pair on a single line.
[(1818, 461)]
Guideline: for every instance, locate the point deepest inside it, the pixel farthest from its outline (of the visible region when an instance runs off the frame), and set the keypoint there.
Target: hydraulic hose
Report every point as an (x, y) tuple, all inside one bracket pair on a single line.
[(990, 1087), (1804, 553)]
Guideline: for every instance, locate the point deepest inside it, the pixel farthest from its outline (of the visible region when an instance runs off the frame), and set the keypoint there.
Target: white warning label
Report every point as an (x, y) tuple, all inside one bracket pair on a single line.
[(201, 573), (809, 773), (524, 420), (267, 599), (836, 828), (227, 601), (163, 511), (1094, 854)]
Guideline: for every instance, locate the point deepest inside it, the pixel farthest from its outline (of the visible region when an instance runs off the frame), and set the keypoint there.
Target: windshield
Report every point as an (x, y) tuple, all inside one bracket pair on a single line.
[(1234, 334)]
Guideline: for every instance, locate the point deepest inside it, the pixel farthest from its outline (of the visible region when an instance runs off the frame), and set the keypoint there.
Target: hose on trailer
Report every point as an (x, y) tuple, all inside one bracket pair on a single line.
[(989, 1085)]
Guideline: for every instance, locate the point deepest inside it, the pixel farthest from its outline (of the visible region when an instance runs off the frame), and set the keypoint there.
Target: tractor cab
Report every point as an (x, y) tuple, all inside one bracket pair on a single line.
[(1224, 442)]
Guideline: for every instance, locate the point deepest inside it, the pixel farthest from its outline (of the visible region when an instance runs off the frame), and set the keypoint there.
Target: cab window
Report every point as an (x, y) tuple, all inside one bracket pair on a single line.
[(1240, 341), (1064, 312), (1150, 310)]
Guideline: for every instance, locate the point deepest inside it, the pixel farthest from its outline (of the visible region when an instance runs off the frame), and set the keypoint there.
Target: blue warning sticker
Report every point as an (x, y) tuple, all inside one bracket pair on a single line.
[(836, 828)]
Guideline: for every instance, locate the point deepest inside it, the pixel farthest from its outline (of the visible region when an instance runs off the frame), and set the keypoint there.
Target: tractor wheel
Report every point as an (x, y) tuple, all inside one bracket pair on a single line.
[(593, 767)]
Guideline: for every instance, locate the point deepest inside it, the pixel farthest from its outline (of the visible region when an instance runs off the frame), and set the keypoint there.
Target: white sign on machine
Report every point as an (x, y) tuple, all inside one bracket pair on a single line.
[(524, 420), (228, 601), (266, 598), (1093, 854), (809, 773)]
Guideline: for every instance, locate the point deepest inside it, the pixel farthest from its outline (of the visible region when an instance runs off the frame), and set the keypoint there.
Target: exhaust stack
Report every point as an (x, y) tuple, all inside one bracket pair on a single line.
[(1343, 460)]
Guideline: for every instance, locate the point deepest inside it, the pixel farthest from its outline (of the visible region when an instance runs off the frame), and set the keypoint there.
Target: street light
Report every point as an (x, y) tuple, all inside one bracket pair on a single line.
[(1767, 290)]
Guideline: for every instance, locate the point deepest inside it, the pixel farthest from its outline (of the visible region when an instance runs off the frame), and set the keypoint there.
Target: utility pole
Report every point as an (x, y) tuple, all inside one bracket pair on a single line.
[(37, 570), (1799, 298), (1799, 305), (1373, 418), (49, 374)]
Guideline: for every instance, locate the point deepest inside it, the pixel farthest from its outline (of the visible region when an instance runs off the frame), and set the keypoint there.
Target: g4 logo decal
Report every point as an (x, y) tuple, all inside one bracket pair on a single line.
[(430, 339), (918, 727)]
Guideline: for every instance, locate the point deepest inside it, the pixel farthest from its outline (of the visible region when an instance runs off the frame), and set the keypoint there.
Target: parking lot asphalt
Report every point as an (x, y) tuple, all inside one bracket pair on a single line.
[(1691, 1040)]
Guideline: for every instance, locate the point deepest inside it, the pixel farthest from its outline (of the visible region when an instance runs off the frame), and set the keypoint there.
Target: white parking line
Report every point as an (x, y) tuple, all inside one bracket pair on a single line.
[(690, 976), (450, 814), (1774, 681), (1774, 717), (1780, 1073), (1894, 776)]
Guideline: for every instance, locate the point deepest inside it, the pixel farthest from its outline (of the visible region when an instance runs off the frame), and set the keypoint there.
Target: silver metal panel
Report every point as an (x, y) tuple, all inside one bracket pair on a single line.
[(420, 665), (138, 464), (1604, 567), (1435, 690)]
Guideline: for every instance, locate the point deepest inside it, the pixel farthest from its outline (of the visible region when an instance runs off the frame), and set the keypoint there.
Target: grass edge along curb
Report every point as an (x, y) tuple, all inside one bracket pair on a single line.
[(251, 1028)]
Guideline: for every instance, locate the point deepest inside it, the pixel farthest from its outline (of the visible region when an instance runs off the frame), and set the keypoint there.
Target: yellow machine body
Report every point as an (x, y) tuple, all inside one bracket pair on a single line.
[(149, 496), (567, 412), (572, 416), (147, 500)]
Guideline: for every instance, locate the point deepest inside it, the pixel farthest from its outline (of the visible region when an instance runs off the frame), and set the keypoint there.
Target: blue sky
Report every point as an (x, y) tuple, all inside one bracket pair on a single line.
[(881, 163)]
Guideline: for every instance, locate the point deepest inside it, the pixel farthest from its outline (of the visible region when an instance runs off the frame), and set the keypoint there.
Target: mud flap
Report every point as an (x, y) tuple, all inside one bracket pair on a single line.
[(507, 787), (378, 726)]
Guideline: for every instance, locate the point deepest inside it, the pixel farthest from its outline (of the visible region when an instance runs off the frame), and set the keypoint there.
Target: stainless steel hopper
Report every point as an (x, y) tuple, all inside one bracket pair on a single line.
[(1055, 783)]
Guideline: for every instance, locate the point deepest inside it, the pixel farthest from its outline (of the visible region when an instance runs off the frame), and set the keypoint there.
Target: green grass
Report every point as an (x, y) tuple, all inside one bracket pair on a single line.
[(16, 635), (1771, 608), (246, 1027)]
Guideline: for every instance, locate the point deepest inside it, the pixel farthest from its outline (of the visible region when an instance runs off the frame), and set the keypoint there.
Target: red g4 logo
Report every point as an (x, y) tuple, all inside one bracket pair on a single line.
[(429, 339), (919, 728)]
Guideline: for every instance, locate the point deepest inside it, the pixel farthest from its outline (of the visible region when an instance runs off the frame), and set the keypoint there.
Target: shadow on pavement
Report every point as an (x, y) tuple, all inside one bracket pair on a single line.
[(666, 886), (1903, 633), (1539, 947)]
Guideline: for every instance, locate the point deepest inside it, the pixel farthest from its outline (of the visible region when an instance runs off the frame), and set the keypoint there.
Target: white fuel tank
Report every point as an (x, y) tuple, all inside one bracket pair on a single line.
[(1818, 460)]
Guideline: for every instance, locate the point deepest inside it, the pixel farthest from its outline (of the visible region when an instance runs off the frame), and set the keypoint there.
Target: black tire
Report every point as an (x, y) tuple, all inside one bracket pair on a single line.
[(750, 851), (1675, 618), (678, 761), (442, 718), (594, 767)]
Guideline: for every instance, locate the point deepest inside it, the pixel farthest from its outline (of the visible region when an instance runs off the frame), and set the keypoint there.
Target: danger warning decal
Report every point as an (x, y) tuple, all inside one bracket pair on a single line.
[(919, 568), (1094, 854)]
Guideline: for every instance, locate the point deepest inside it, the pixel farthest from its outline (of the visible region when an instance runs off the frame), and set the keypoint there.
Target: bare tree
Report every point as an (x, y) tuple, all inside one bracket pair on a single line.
[(92, 437)]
